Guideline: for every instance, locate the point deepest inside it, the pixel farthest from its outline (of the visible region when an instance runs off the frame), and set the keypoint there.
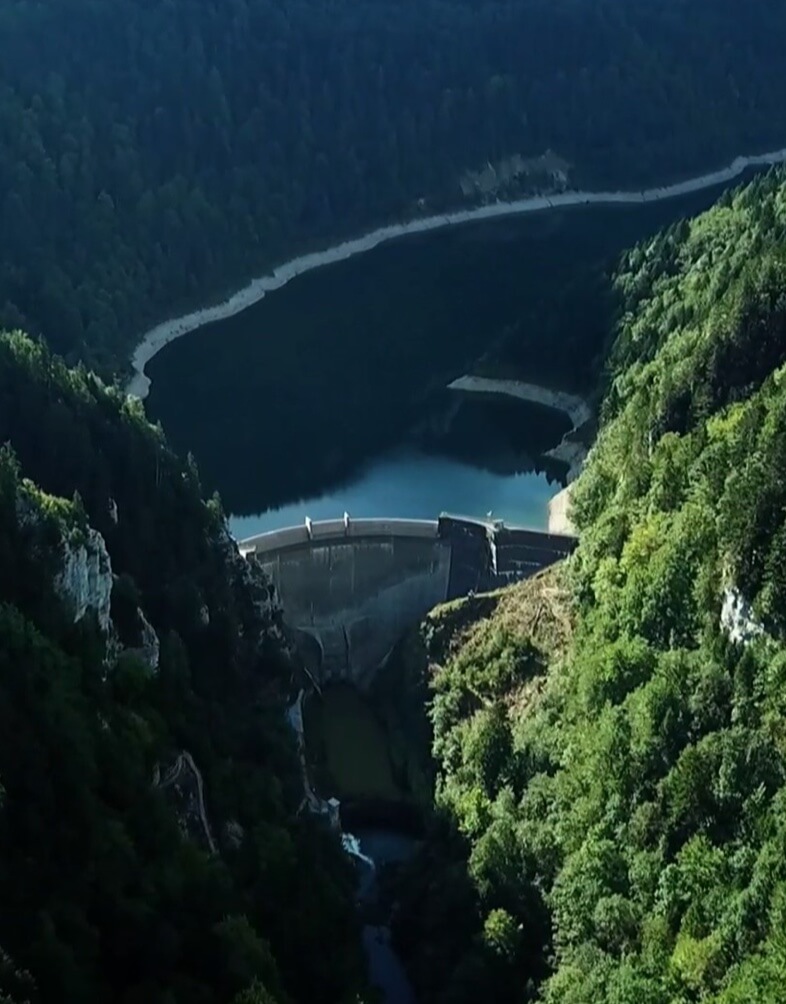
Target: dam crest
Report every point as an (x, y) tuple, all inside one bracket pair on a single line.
[(351, 587)]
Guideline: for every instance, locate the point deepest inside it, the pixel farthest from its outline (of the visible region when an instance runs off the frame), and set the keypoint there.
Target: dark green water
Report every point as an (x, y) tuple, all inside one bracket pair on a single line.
[(353, 743), (287, 399), (312, 393)]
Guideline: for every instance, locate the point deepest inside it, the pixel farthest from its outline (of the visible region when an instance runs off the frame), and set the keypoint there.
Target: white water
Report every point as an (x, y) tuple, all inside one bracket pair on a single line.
[(385, 969), (162, 334), (351, 846)]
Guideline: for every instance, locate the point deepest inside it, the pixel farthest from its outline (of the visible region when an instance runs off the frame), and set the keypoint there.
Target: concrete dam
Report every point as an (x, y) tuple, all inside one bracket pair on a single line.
[(351, 587)]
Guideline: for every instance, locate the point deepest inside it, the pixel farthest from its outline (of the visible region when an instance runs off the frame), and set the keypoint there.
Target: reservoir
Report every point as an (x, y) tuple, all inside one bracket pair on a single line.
[(414, 485), (322, 390), (330, 395)]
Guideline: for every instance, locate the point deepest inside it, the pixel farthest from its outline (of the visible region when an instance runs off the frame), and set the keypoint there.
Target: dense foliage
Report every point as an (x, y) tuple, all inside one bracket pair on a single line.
[(396, 325), (155, 153), (613, 812), (102, 896)]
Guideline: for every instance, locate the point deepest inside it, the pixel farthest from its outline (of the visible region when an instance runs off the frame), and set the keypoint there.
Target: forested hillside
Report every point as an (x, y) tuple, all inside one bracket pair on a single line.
[(121, 657), (613, 808), (155, 154)]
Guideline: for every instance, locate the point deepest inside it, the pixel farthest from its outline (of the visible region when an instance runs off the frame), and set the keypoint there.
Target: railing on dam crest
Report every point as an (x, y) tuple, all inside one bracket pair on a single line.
[(352, 586), (323, 530)]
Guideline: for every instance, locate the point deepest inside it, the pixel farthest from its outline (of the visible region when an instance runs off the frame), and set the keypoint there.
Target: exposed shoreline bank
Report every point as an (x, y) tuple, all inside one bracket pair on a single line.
[(569, 451), (559, 513), (575, 407), (168, 331)]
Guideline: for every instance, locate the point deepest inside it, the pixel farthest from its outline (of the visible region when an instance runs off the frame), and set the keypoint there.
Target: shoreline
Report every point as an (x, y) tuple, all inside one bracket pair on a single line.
[(575, 407), (162, 334), (567, 451), (559, 520)]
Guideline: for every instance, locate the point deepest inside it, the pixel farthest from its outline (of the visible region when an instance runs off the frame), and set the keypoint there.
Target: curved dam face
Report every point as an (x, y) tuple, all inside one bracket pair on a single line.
[(355, 586)]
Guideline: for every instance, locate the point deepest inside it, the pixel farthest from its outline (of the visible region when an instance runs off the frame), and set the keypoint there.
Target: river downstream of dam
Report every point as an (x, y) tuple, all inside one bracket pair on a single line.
[(330, 394)]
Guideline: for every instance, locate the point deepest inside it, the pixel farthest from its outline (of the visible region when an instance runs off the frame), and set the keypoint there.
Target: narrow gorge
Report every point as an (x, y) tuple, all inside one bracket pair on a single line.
[(392, 518)]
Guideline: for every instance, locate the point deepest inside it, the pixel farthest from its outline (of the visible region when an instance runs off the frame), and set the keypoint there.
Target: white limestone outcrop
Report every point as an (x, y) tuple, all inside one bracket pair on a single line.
[(737, 618), (149, 647), (85, 581), (183, 779)]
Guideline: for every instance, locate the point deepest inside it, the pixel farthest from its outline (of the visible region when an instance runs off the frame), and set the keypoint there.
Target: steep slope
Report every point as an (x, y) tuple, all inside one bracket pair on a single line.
[(157, 153), (149, 847), (622, 837)]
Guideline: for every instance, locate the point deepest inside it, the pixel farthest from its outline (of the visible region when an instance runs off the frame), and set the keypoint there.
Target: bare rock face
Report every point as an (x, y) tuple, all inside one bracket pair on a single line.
[(248, 572), (85, 581), (233, 834), (149, 647), (83, 576), (737, 618), (150, 643), (181, 782), (547, 172)]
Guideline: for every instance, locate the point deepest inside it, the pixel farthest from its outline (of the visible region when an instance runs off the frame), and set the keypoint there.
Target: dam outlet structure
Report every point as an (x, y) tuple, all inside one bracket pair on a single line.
[(350, 588)]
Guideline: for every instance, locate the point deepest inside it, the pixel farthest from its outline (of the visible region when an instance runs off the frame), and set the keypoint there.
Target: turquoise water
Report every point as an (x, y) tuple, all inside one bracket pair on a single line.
[(410, 485), (306, 403), (289, 398)]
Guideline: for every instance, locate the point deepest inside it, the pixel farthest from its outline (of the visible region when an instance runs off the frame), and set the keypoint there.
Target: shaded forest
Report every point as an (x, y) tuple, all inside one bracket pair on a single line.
[(154, 155), (108, 892), (611, 821)]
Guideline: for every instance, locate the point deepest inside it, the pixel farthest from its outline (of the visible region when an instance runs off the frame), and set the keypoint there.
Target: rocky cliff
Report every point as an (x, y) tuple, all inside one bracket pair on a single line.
[(85, 581), (136, 644)]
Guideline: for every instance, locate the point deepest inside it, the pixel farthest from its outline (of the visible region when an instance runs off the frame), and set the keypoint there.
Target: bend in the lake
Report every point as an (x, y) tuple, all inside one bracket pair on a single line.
[(575, 407), (162, 334)]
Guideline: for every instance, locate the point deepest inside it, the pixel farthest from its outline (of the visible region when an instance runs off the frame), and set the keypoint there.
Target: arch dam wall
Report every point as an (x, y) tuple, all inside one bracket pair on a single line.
[(350, 588)]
